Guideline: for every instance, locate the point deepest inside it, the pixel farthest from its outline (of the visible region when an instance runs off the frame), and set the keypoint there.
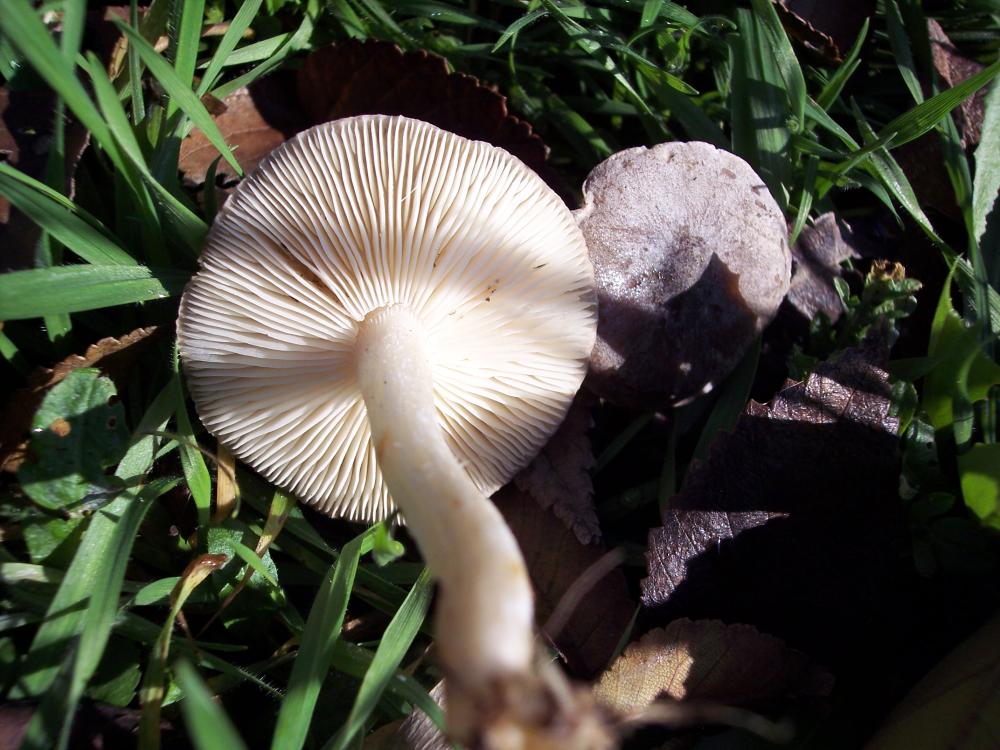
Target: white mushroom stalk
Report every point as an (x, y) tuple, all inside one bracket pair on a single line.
[(386, 315)]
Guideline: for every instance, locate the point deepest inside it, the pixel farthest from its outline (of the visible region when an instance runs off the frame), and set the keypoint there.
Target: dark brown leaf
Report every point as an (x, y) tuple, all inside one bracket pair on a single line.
[(373, 77), (817, 254), (710, 661), (829, 29), (954, 68), (559, 476), (789, 524), (114, 356), (556, 559)]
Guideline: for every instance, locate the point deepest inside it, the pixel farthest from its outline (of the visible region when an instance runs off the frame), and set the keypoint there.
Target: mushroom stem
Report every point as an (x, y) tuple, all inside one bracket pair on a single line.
[(485, 614)]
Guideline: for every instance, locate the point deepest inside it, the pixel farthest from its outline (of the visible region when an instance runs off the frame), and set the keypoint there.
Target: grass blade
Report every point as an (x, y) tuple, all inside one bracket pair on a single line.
[(395, 643), (180, 93), (63, 219), (987, 182), (196, 474), (783, 57), (209, 726), (239, 24), (184, 43), (44, 291), (314, 657)]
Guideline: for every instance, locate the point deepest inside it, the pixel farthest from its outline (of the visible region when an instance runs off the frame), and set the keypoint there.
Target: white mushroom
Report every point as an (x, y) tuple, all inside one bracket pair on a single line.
[(390, 314)]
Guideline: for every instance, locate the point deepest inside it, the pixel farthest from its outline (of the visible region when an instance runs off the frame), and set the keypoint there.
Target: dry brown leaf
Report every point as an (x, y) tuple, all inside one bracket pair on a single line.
[(114, 356), (817, 254), (556, 560), (415, 732), (559, 476), (710, 661), (954, 68), (789, 523)]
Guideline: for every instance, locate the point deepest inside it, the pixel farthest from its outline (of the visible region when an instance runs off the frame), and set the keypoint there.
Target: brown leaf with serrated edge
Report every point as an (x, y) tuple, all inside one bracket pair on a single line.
[(559, 476), (828, 29), (788, 525), (817, 255), (556, 560), (374, 77), (711, 661), (114, 356)]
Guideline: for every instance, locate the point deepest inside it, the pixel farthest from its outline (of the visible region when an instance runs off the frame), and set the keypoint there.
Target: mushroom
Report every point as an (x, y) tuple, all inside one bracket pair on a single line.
[(691, 260), (390, 315)]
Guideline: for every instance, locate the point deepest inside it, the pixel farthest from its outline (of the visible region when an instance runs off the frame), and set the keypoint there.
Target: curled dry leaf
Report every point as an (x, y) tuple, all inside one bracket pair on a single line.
[(113, 356), (789, 523), (710, 661), (691, 260), (556, 560), (828, 29), (559, 476), (817, 256)]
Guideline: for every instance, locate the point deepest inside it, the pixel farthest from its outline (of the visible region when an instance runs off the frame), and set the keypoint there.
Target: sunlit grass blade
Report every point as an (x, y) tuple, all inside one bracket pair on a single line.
[(986, 186), (210, 728), (95, 578), (249, 53), (63, 219), (135, 70), (196, 473), (44, 291), (395, 642), (185, 34), (239, 24), (180, 93), (321, 634), (783, 57), (294, 42)]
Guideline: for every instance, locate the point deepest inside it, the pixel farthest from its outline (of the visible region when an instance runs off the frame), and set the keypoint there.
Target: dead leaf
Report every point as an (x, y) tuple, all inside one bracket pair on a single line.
[(374, 77), (114, 356), (710, 661), (415, 732), (253, 123), (555, 560), (828, 29), (817, 255), (954, 68), (789, 524), (559, 476), (955, 706)]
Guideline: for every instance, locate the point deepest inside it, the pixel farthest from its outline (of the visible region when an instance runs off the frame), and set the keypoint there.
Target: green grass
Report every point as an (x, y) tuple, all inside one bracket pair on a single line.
[(592, 79)]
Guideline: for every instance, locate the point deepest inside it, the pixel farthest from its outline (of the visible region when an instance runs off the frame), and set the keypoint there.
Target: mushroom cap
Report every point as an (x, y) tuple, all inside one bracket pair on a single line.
[(358, 214), (691, 260)]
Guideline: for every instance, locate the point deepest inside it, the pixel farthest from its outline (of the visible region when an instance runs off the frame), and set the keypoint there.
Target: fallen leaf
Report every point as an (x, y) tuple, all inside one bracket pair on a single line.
[(954, 707), (556, 560), (817, 255), (826, 28), (711, 661), (789, 524), (115, 357), (415, 732), (374, 77), (954, 68), (559, 476)]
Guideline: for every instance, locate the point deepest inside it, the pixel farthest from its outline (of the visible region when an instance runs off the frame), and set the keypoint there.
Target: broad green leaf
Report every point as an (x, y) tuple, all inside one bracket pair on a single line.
[(210, 728), (987, 183), (118, 674), (315, 653), (185, 98), (63, 219), (979, 471), (43, 291), (398, 637), (76, 434)]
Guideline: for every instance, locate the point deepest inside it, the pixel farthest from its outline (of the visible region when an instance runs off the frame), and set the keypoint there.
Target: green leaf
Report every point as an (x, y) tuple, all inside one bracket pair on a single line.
[(901, 50), (63, 219), (392, 648), (210, 728), (979, 471), (118, 674), (784, 58), (831, 91), (79, 619), (76, 434), (987, 182), (180, 93), (321, 634), (44, 291), (196, 473), (732, 400), (185, 36)]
